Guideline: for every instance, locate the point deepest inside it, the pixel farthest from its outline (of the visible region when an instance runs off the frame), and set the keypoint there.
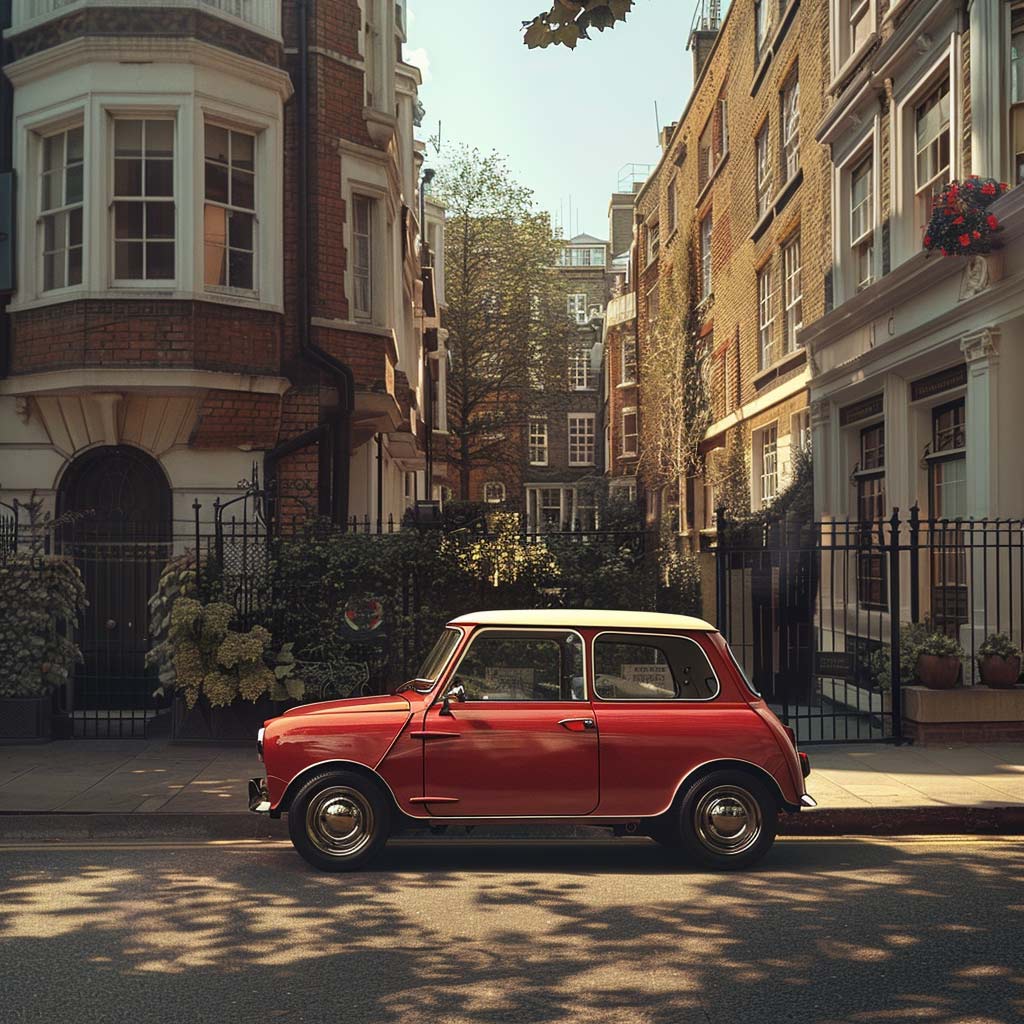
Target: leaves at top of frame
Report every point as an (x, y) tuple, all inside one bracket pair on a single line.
[(566, 22)]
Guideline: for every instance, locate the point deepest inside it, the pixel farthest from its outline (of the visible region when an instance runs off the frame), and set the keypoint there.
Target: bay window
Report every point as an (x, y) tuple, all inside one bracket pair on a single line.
[(60, 208), (229, 213), (143, 200)]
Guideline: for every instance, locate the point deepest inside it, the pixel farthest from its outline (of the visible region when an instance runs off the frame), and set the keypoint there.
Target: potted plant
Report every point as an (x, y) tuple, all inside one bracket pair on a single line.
[(939, 661), (41, 600), (999, 661), (961, 223)]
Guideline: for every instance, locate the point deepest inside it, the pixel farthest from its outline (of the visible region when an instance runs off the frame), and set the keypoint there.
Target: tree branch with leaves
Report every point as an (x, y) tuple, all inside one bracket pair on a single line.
[(566, 22)]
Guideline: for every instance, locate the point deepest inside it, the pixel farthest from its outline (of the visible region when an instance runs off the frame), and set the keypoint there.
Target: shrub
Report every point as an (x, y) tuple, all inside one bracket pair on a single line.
[(41, 601), (1000, 645), (940, 645)]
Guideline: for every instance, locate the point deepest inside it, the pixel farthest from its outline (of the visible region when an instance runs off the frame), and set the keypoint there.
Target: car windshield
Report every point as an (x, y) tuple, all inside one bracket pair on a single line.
[(435, 661)]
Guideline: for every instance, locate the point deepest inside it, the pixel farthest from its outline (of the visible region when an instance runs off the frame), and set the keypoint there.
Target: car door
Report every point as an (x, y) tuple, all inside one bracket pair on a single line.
[(517, 736)]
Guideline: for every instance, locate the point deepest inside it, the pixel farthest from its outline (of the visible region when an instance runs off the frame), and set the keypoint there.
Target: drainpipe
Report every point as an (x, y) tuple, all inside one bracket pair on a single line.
[(380, 483), (339, 423), (428, 379)]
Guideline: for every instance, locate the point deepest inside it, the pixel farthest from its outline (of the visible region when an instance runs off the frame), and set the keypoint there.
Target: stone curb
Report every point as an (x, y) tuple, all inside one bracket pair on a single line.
[(890, 821)]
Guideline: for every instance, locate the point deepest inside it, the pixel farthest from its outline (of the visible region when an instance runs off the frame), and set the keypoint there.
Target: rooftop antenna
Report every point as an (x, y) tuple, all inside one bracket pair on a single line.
[(657, 122), (436, 140)]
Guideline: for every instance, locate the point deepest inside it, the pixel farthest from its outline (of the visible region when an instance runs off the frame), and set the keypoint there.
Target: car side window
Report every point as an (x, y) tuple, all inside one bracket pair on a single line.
[(642, 667), (510, 665)]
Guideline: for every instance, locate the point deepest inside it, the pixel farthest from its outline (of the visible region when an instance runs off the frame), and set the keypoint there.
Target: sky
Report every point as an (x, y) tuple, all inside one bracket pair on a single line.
[(567, 120)]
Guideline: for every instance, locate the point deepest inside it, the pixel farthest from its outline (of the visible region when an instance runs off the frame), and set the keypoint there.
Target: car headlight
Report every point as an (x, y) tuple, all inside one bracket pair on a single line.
[(259, 741)]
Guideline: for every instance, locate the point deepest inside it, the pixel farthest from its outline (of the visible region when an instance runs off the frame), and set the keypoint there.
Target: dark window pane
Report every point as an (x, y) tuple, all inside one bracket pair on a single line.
[(159, 260), (127, 138), (242, 189), (51, 196), (159, 138), (241, 230), (75, 266), (242, 150), (159, 177), (127, 220), (53, 153), (75, 227), (216, 264), (159, 220), (128, 261), (53, 271), (216, 183), (240, 269), (74, 184), (50, 233), (216, 143), (75, 153), (127, 177)]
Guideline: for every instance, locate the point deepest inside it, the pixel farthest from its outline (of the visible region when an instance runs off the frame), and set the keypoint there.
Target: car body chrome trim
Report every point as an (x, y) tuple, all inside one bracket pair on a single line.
[(808, 801)]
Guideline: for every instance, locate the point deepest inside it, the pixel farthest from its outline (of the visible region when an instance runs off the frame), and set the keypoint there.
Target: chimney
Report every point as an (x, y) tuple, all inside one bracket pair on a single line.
[(707, 20)]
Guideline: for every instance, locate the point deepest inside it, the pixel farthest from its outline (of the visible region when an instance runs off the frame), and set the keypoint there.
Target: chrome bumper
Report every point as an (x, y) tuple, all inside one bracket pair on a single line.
[(805, 801), (259, 797)]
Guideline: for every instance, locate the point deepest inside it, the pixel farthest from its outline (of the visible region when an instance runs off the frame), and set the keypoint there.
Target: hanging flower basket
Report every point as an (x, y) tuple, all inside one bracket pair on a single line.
[(961, 224)]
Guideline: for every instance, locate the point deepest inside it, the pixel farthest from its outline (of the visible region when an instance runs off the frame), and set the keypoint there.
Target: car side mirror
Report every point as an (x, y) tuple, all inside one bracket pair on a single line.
[(456, 693)]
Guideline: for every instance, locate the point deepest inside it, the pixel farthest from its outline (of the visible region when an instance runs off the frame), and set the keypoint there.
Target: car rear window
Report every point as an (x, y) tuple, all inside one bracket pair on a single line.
[(630, 666)]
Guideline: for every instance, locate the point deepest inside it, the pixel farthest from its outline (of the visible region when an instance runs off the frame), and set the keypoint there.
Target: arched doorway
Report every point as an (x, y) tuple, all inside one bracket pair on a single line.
[(118, 505)]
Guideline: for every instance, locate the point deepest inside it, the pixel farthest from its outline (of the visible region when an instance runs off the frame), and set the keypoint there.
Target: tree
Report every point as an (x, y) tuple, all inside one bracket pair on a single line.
[(508, 331), (673, 390), (566, 22)]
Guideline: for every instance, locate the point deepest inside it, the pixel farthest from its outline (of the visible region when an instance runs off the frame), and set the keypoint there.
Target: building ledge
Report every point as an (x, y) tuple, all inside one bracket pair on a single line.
[(150, 379)]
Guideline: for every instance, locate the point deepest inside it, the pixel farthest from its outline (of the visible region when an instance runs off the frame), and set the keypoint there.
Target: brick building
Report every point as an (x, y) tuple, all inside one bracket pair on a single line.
[(741, 179), (219, 263), (565, 430)]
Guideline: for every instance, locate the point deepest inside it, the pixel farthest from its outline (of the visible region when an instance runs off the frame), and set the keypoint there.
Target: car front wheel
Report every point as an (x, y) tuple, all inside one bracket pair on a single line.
[(339, 821), (727, 820)]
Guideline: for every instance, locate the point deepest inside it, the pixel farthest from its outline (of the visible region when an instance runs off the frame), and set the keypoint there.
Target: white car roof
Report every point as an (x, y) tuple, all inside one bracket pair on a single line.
[(582, 618)]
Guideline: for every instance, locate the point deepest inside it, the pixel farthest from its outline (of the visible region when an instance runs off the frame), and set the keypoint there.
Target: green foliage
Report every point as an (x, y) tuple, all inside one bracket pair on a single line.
[(915, 638), (566, 22), (679, 583), (999, 644), (41, 603)]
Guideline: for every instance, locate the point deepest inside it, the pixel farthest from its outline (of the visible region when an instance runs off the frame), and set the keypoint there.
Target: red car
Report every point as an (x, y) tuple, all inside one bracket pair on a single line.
[(640, 722)]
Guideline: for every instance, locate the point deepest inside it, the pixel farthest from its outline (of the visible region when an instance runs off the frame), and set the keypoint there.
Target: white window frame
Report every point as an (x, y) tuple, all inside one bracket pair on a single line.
[(652, 239), (766, 316), (722, 112), (845, 253), (862, 224), (231, 207), (844, 14), (576, 307), (764, 22), (765, 169), (792, 293), (175, 199), (707, 240), (924, 190), (628, 375), (653, 304), (706, 153), (62, 211), (537, 441), (630, 441), (671, 200), (800, 430), (1015, 97), (357, 311), (494, 492), (789, 132), (582, 438), (766, 452), (581, 376)]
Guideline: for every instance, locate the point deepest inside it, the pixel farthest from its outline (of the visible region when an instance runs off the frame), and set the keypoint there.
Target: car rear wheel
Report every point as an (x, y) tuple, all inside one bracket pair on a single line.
[(339, 821), (727, 820)]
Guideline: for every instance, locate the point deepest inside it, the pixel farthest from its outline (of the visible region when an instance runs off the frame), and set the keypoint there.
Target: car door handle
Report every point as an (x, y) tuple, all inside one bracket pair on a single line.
[(577, 724)]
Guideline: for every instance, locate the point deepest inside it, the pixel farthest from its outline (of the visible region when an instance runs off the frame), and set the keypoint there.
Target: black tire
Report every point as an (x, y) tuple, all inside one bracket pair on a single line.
[(340, 820), (726, 820)]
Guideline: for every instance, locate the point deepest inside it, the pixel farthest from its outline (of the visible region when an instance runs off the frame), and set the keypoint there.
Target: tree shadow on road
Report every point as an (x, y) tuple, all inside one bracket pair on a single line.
[(448, 931)]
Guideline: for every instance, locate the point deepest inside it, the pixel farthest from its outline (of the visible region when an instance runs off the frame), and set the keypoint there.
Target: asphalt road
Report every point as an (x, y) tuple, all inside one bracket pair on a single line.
[(448, 931)]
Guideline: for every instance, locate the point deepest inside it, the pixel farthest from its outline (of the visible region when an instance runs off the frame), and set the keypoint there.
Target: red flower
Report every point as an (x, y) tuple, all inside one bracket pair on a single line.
[(944, 252), (1003, 187), (992, 221), (927, 240), (988, 189), (964, 240), (977, 234), (959, 220)]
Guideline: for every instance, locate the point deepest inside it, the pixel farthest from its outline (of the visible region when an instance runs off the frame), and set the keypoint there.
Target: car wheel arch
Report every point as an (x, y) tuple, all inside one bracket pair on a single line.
[(731, 764), (306, 774)]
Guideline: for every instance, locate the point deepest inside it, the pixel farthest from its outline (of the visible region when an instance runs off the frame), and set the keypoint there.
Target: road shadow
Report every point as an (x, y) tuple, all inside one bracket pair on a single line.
[(452, 932)]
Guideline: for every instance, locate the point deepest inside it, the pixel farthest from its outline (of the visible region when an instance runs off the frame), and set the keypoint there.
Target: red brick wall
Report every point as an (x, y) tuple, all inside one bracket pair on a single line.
[(228, 419)]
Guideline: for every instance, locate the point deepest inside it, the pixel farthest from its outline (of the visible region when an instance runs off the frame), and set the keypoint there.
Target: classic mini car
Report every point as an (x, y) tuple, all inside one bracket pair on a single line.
[(641, 722)]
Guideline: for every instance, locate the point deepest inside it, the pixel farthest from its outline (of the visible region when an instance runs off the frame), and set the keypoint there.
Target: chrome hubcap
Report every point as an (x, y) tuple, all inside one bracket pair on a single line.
[(339, 821), (728, 820)]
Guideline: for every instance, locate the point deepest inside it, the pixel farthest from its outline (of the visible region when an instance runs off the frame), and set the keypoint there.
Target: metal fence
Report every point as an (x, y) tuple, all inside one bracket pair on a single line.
[(816, 611)]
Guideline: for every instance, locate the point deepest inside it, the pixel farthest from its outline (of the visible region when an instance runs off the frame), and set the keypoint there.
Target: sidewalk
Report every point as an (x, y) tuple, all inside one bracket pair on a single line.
[(870, 787)]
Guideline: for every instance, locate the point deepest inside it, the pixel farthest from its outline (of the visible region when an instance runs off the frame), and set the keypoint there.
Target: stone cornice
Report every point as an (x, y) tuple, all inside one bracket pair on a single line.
[(151, 379), (146, 49)]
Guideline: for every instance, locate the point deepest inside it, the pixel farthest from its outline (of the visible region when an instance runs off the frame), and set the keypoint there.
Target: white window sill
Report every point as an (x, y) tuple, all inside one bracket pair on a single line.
[(622, 385), (850, 62), (148, 293)]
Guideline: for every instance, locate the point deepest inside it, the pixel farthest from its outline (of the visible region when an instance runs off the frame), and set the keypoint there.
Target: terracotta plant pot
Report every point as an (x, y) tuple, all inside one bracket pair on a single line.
[(938, 671), (999, 672)]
